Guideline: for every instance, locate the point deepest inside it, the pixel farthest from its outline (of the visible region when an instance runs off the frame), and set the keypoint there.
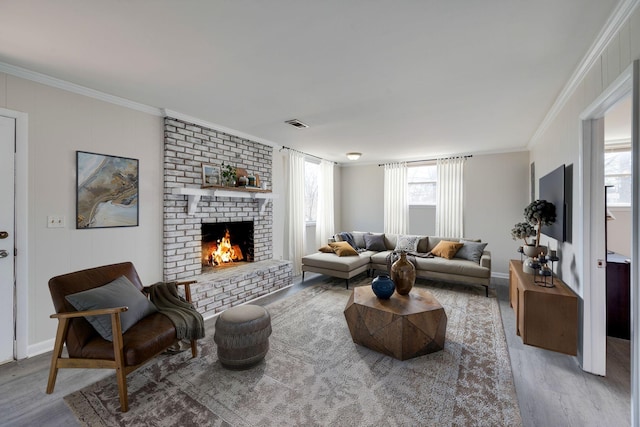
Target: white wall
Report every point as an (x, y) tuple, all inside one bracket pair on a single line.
[(619, 231), (60, 123), (278, 187), (559, 142), (495, 195), (362, 198), (496, 192)]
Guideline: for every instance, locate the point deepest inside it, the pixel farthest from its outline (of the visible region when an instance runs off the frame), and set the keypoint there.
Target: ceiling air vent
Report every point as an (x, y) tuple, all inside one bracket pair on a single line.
[(297, 123)]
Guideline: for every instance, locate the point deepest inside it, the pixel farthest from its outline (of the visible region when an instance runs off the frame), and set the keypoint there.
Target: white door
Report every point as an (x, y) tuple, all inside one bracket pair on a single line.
[(7, 245)]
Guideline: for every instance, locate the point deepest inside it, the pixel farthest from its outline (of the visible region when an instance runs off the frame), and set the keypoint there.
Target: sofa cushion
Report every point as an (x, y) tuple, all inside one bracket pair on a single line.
[(375, 242), (471, 251), (380, 258), (343, 249), (334, 262), (137, 346), (326, 249), (407, 243), (118, 293), (455, 266), (446, 249)]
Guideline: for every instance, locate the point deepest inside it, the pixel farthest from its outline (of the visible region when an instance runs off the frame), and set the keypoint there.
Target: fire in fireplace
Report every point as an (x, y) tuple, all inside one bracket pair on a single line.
[(226, 243)]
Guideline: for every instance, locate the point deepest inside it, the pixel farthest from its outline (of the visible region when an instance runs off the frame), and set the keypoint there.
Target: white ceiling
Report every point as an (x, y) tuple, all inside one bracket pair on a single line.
[(396, 80)]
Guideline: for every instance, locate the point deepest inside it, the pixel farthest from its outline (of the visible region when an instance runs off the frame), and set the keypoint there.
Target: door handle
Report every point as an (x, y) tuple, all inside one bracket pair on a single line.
[(3, 253), (3, 234)]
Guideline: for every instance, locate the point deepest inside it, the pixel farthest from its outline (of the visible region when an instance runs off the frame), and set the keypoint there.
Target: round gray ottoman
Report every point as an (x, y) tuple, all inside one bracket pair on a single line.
[(242, 336)]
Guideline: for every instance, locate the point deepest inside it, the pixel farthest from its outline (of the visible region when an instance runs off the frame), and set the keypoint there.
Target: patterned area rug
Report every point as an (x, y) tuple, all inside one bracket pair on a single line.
[(314, 375)]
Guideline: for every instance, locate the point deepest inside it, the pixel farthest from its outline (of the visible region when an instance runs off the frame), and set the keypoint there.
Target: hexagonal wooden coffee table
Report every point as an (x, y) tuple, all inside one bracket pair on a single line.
[(404, 326)]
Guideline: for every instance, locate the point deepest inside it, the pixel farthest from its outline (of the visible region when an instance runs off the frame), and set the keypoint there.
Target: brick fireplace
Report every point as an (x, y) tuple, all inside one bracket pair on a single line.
[(226, 243), (187, 147)]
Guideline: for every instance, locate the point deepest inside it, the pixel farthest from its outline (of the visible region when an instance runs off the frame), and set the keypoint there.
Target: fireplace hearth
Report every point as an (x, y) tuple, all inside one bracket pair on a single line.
[(225, 244)]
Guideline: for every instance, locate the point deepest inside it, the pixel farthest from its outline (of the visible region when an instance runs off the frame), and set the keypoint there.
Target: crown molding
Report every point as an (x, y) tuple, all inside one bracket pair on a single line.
[(112, 99), (196, 121), (616, 20), (75, 88)]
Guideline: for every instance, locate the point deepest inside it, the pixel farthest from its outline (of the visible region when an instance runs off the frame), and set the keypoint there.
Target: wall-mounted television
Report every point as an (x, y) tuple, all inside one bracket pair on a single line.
[(552, 189)]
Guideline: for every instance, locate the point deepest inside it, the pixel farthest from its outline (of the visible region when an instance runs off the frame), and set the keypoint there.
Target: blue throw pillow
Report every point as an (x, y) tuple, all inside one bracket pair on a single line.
[(121, 292), (348, 237)]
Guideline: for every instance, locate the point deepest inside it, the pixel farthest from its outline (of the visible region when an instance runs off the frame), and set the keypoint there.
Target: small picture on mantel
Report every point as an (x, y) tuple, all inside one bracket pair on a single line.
[(211, 175)]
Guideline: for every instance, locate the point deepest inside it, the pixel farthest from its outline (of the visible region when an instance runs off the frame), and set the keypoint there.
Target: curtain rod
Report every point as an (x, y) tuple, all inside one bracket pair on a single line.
[(429, 160), (306, 154)]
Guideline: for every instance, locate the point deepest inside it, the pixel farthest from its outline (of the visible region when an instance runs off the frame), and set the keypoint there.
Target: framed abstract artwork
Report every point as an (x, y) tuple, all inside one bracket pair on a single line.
[(106, 191)]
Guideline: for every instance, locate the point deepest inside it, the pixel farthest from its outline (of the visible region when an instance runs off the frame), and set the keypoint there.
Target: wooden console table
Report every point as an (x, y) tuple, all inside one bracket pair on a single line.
[(545, 317)]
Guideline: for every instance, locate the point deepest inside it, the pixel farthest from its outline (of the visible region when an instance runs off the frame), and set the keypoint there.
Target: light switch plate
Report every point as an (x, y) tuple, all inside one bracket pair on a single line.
[(55, 221)]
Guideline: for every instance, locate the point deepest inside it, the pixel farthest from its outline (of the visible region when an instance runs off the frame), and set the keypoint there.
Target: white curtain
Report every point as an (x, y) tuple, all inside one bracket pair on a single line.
[(295, 210), (324, 219), (396, 200), (450, 197)]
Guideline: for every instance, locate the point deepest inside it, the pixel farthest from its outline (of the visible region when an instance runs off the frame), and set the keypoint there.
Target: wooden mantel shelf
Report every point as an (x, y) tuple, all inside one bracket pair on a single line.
[(195, 194)]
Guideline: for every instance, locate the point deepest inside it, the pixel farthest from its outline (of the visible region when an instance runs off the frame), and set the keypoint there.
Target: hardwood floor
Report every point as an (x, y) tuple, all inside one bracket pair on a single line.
[(552, 389)]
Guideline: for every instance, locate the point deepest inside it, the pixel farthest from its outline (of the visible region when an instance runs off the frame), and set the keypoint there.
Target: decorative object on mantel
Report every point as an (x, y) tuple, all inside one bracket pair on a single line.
[(383, 286), (228, 175), (403, 274), (536, 214), (211, 175)]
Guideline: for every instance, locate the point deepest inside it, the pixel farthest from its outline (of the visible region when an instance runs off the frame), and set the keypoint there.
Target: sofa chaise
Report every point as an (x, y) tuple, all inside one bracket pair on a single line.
[(470, 264)]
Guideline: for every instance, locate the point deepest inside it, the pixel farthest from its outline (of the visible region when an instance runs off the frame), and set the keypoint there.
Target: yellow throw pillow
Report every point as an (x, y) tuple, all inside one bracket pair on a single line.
[(446, 249), (343, 249), (326, 249)]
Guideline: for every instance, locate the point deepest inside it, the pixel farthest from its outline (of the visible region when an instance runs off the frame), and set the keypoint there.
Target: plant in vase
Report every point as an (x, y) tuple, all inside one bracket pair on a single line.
[(539, 213), (228, 175), (523, 230)]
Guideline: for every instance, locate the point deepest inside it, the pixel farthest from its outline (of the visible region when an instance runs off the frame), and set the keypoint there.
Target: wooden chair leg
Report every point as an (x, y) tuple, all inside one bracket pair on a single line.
[(121, 373), (63, 327), (194, 348)]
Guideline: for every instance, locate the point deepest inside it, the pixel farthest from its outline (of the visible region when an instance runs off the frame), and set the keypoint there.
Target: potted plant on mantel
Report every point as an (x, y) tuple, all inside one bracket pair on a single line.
[(228, 175), (538, 213)]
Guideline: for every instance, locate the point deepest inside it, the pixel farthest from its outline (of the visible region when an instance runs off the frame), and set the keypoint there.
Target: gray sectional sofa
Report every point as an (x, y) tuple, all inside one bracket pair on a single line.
[(466, 267)]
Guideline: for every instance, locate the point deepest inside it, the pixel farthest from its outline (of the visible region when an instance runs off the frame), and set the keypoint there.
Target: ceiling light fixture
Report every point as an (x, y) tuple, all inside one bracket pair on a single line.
[(353, 156), (297, 123)]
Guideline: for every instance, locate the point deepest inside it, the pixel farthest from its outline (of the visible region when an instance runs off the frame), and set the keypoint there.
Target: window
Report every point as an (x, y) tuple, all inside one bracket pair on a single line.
[(310, 191), (422, 184), (617, 174)]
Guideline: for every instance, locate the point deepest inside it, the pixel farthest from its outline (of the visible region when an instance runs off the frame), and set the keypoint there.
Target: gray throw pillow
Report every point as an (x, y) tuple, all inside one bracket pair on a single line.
[(358, 237), (407, 243), (121, 292), (375, 242), (471, 251)]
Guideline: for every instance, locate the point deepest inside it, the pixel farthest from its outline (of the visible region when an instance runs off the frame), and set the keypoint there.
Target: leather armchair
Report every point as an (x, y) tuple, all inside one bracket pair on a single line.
[(87, 349)]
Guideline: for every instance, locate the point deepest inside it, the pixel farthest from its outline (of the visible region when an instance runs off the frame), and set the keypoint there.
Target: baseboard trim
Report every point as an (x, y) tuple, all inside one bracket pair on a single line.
[(500, 275), (40, 348)]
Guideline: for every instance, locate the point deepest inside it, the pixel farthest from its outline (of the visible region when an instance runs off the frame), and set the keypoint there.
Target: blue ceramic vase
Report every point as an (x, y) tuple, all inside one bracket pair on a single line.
[(383, 286)]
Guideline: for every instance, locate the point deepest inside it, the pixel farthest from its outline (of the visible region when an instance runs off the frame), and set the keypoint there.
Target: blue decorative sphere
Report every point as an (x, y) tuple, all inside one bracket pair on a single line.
[(383, 286)]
